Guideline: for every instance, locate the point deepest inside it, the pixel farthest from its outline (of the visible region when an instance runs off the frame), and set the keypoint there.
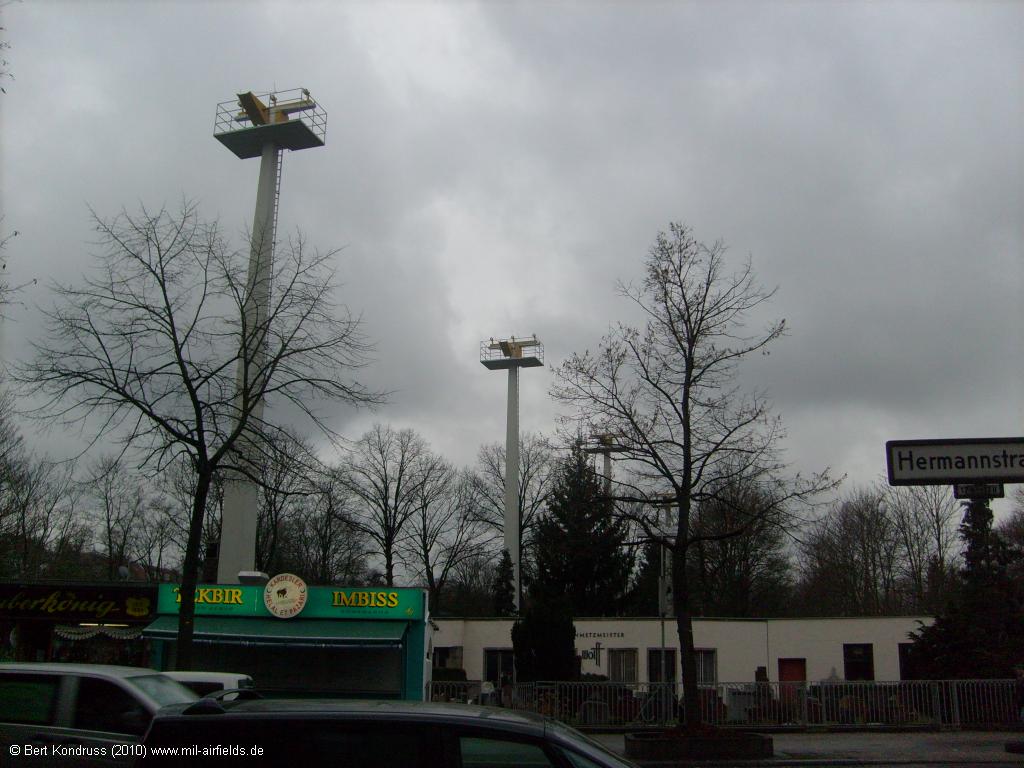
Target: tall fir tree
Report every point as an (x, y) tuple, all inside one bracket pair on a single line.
[(979, 634), (503, 591), (544, 641), (581, 546)]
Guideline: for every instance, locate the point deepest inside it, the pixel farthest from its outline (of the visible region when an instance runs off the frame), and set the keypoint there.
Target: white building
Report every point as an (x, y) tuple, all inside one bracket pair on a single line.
[(632, 650)]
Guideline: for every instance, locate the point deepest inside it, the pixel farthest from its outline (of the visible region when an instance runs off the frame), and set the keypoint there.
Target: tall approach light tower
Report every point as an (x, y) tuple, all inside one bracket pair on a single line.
[(258, 126), (512, 354)]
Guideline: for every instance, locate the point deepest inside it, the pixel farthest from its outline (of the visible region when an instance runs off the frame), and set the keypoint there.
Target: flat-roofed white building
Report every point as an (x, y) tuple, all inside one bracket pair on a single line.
[(634, 650)]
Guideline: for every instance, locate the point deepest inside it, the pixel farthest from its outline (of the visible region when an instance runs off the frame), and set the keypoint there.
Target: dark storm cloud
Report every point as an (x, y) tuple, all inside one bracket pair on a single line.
[(493, 169)]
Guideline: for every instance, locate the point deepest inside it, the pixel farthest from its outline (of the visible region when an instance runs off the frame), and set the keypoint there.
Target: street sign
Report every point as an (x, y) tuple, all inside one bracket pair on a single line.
[(949, 462), (978, 491)]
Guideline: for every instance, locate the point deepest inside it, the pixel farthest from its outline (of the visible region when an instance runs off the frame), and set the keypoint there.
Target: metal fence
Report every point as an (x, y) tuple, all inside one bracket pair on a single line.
[(923, 703)]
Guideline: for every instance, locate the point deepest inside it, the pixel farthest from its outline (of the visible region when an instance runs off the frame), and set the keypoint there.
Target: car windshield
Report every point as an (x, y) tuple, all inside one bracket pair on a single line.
[(571, 738), (163, 690)]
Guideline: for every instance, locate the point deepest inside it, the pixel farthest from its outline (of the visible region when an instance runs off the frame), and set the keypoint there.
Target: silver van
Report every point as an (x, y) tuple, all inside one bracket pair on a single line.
[(79, 714)]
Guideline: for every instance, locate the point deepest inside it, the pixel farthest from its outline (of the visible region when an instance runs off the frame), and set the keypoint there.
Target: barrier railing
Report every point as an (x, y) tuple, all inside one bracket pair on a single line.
[(907, 703)]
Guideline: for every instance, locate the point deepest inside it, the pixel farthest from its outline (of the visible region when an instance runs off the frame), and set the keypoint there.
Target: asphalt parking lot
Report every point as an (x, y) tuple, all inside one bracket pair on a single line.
[(952, 748)]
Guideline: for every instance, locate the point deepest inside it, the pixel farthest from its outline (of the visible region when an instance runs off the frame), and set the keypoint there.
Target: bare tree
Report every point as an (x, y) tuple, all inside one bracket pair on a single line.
[(41, 531), (12, 452), (121, 501), (749, 574), (926, 520), (326, 536), (5, 45), (668, 390), (291, 474), (444, 530), (152, 343), (44, 503), (471, 589), (159, 555), (1012, 527), (385, 473), (851, 560), (177, 486)]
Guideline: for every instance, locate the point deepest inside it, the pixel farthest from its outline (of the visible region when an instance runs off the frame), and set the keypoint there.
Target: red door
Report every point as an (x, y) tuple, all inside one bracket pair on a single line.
[(792, 670), (792, 675)]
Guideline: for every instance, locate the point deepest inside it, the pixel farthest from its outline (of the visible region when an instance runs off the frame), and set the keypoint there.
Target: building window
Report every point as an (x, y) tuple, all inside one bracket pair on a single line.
[(654, 664), (906, 668), (858, 661), (498, 664), (622, 665), (449, 657), (707, 666)]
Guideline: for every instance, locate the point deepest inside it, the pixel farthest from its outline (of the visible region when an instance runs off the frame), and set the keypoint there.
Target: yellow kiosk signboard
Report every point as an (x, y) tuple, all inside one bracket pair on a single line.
[(398, 603)]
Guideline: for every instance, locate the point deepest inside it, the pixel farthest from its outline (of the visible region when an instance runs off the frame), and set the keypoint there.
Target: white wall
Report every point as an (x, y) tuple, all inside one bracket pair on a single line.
[(821, 641), (740, 645)]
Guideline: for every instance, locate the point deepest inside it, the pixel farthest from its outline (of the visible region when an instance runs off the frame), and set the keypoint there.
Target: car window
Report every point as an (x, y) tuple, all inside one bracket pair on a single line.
[(203, 688), (29, 699), (483, 752), (285, 742), (582, 751), (162, 689), (376, 748), (577, 760), (103, 706)]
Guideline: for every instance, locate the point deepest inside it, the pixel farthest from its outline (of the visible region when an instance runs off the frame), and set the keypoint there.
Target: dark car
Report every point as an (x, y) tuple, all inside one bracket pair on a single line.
[(367, 734)]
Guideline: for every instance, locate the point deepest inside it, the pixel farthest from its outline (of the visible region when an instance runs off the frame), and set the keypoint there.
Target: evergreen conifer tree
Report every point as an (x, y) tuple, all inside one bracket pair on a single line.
[(581, 545), (544, 641), (504, 589), (979, 633)]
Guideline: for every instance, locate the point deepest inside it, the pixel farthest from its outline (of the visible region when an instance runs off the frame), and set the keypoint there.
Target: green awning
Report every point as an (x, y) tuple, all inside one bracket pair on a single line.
[(294, 632)]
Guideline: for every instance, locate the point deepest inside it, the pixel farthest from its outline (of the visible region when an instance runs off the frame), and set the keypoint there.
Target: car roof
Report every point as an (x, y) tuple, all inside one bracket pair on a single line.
[(107, 670), (197, 676), (358, 709)]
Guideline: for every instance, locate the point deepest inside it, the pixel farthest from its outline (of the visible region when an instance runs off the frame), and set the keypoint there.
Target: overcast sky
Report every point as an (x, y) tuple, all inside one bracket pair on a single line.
[(493, 169)]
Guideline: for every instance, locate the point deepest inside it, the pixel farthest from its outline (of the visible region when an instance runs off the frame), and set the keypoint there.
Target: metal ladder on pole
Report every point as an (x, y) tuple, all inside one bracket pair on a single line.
[(277, 201)]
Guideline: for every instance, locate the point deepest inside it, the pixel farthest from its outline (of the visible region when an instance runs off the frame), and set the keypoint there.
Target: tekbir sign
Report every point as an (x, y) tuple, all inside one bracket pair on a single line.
[(949, 462)]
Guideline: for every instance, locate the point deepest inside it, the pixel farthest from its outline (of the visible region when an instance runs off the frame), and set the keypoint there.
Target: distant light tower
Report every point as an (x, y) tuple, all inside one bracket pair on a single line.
[(513, 354), (606, 444), (258, 126)]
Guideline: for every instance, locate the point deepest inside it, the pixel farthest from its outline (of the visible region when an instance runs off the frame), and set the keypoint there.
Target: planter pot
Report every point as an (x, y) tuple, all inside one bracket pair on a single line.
[(671, 745)]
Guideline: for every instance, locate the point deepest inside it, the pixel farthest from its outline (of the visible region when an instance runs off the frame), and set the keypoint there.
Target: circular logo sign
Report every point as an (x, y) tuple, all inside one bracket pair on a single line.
[(285, 595)]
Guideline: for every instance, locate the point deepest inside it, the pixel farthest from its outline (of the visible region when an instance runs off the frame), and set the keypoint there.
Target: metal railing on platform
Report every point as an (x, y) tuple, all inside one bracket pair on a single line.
[(905, 703)]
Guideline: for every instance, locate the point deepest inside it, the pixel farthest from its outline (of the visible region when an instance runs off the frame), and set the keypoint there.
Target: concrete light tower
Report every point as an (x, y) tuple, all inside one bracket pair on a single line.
[(606, 444), (258, 126), (512, 354)]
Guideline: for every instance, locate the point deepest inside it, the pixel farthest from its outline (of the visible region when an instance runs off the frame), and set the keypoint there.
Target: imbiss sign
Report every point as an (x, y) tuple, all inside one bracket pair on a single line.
[(948, 462)]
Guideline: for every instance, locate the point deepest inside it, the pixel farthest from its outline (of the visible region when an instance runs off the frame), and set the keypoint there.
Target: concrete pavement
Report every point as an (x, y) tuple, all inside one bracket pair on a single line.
[(953, 748)]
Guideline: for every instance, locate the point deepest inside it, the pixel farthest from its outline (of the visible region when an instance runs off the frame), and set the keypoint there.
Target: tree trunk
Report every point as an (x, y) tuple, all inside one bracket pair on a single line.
[(684, 626), (187, 609)]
